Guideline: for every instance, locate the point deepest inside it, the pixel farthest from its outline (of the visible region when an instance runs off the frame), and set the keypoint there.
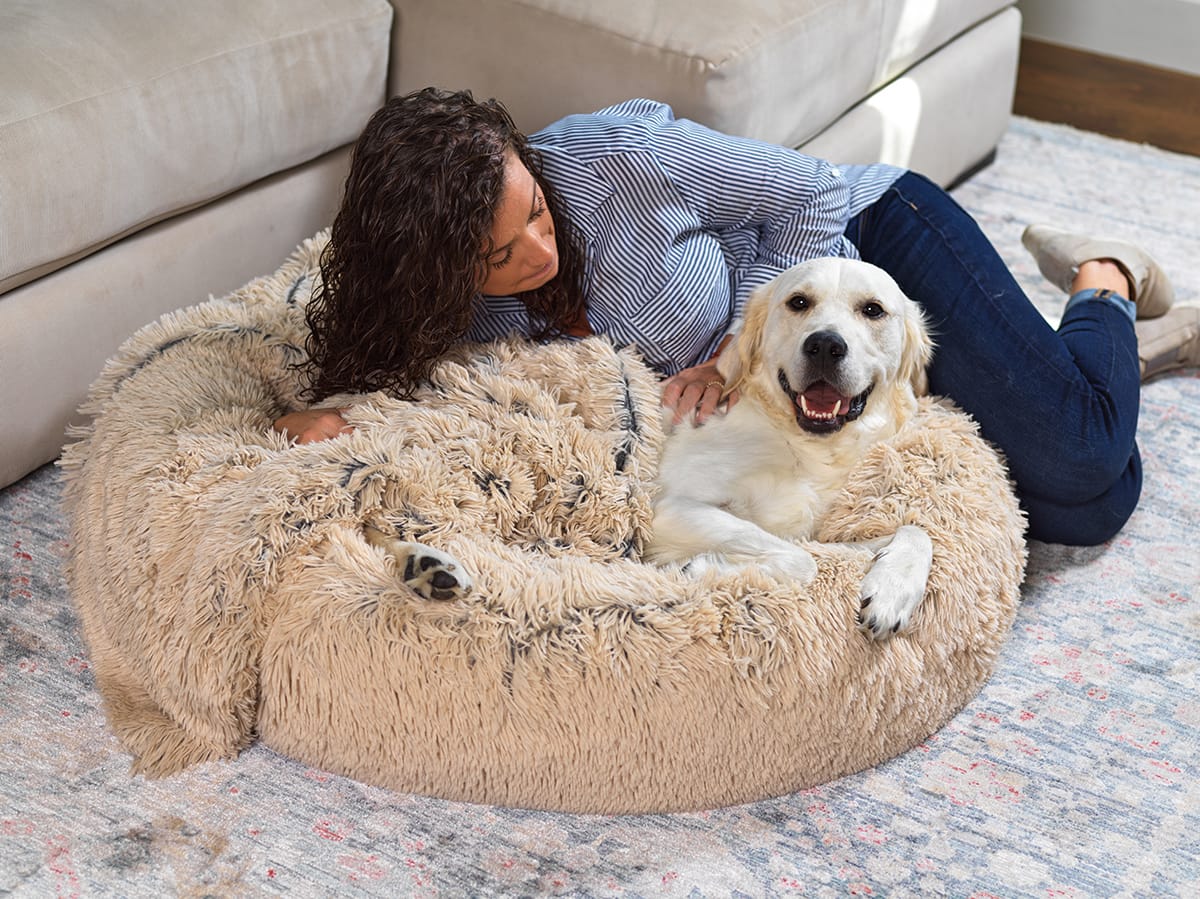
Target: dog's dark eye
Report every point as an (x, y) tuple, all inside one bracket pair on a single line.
[(871, 309), (798, 303)]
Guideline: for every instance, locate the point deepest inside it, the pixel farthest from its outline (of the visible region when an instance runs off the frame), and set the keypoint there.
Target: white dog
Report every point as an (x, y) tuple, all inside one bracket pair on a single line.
[(828, 361)]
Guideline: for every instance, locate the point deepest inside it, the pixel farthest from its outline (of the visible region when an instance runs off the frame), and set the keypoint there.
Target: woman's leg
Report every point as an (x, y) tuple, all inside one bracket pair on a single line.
[(1062, 406)]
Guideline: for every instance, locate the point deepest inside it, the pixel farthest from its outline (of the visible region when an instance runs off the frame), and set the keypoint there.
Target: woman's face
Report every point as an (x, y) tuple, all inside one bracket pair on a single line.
[(524, 255)]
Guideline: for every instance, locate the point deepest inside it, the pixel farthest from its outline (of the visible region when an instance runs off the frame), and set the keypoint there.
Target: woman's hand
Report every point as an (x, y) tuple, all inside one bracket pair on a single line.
[(696, 389), (312, 425)]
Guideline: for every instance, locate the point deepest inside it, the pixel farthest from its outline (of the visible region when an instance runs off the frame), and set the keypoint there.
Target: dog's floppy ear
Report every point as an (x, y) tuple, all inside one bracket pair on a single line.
[(737, 359), (917, 352)]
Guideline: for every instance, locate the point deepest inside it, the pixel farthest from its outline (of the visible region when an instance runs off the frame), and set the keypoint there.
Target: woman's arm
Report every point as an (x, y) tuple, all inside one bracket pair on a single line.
[(798, 205)]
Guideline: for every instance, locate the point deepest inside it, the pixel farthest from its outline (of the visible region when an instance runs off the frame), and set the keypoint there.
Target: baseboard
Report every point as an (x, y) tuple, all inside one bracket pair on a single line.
[(1153, 32), (1110, 96)]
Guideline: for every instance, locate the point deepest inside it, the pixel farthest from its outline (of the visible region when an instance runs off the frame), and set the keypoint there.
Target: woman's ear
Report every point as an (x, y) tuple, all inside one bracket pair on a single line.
[(737, 361)]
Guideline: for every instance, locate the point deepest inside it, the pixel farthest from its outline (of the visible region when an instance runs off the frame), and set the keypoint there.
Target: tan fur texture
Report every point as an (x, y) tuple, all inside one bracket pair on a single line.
[(226, 589)]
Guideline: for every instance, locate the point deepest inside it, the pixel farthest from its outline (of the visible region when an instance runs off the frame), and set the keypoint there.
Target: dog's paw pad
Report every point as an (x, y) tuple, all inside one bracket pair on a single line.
[(434, 574), (426, 571)]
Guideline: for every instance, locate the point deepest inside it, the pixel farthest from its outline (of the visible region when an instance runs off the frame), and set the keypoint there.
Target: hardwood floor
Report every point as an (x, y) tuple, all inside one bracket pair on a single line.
[(1110, 96)]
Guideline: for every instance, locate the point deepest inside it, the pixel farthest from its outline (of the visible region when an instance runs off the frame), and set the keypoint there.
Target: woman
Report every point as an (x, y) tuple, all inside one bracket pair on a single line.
[(652, 231)]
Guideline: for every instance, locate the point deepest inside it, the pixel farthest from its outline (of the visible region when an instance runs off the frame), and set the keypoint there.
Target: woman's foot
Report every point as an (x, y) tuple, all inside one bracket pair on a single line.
[(1169, 342), (1059, 255)]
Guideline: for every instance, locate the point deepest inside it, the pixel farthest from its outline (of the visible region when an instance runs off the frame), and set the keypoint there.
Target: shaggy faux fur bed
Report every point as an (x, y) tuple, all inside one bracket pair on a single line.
[(227, 592)]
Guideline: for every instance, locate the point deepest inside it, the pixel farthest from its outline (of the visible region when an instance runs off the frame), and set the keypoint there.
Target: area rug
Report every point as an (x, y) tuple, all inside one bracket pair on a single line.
[(1074, 772)]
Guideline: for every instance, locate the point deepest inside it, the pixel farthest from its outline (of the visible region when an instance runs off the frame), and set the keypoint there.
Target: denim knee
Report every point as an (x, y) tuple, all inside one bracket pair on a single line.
[(1080, 476), (1092, 521), (1074, 525)]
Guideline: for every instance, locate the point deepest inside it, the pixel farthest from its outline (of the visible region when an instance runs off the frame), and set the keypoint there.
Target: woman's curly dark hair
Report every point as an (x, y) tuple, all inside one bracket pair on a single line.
[(404, 262)]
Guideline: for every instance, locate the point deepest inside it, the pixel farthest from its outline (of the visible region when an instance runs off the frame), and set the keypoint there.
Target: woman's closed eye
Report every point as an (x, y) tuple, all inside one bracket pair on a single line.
[(538, 211)]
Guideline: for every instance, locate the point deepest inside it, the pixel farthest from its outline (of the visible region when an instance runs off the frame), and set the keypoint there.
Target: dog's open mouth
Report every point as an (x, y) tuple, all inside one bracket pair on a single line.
[(821, 408)]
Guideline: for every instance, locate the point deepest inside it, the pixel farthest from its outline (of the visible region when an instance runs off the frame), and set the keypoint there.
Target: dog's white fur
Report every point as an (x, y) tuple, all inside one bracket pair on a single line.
[(743, 486)]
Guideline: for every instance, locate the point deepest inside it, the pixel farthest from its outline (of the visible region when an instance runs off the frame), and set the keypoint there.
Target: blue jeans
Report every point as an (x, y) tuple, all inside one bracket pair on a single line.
[(1061, 405)]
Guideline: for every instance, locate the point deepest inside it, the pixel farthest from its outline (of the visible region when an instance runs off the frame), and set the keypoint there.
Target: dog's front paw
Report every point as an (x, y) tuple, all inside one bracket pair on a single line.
[(895, 584), (428, 572)]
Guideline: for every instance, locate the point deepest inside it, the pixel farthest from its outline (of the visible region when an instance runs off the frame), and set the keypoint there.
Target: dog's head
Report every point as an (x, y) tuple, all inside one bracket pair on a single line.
[(824, 340)]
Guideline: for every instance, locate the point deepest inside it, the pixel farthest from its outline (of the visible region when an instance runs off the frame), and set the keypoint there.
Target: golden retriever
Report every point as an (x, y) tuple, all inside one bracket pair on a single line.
[(828, 361)]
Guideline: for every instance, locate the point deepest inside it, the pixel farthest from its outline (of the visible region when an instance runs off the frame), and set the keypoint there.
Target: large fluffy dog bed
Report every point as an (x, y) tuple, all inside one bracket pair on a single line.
[(227, 592)]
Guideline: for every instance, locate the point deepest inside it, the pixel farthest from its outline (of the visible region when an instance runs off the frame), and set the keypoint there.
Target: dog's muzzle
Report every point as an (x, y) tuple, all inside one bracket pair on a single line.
[(821, 408)]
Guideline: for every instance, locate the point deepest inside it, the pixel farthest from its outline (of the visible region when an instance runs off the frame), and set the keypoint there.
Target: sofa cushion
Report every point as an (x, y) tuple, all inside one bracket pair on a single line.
[(113, 116), (778, 71)]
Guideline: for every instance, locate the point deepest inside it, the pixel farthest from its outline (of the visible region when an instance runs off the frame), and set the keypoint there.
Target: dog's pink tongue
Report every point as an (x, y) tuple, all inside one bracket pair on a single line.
[(821, 399)]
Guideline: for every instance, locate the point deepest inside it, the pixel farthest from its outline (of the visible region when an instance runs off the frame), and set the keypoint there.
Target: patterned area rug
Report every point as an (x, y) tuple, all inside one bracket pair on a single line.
[(1075, 772)]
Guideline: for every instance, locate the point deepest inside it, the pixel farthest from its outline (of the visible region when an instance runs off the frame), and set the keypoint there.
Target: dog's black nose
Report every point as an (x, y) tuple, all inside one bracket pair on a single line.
[(825, 347)]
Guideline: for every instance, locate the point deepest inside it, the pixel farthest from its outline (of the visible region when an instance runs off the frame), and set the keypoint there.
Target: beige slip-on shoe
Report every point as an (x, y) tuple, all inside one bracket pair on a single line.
[(1060, 253), (1169, 342)]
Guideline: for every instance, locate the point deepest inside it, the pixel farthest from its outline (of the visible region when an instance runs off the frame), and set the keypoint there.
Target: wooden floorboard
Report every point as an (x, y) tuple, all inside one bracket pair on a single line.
[(1122, 99)]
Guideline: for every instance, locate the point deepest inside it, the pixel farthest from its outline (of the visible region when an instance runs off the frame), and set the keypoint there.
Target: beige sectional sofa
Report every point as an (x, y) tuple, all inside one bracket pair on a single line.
[(153, 154)]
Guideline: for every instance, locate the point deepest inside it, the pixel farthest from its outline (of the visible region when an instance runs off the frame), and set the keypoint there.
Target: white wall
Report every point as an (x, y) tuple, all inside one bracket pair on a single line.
[(1163, 33)]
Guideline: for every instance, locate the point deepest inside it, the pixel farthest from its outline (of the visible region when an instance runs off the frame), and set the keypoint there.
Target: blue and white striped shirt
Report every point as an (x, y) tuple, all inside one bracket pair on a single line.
[(681, 223)]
